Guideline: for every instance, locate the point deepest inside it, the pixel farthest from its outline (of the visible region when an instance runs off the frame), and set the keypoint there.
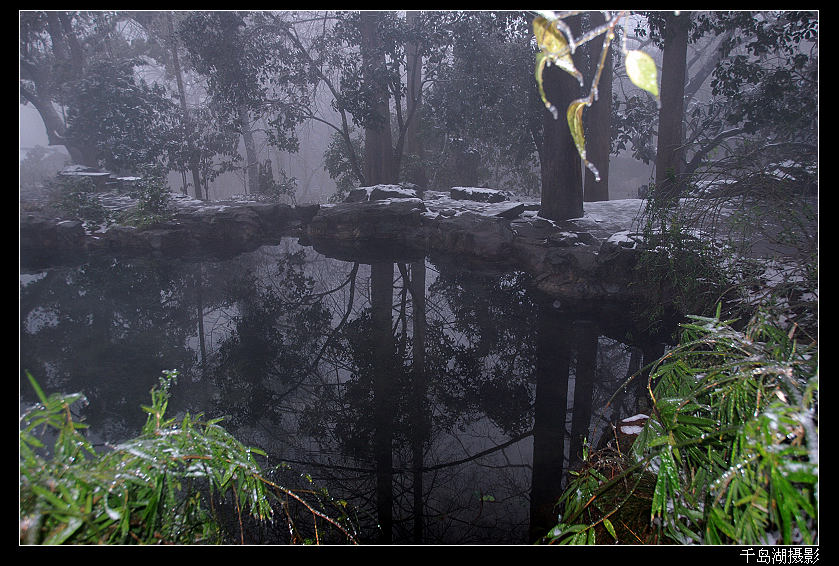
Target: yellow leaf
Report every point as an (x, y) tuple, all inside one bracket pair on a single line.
[(555, 47), (548, 38), (575, 124), (642, 71)]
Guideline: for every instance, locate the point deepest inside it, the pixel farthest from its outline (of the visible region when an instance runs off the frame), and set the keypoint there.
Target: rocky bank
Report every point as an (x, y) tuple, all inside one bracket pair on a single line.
[(589, 258)]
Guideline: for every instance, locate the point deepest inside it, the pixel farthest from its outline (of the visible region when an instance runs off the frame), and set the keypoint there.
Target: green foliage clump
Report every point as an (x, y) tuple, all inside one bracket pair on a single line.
[(162, 487), (729, 454), (77, 196), (273, 188), (124, 121), (679, 267), (153, 196), (338, 163)]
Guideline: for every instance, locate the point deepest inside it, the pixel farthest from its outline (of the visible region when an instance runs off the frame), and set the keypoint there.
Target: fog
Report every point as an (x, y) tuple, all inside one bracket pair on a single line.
[(314, 184), (455, 366)]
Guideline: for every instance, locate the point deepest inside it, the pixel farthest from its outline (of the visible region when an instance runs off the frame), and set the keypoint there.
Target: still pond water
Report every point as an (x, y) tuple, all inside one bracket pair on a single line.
[(445, 404)]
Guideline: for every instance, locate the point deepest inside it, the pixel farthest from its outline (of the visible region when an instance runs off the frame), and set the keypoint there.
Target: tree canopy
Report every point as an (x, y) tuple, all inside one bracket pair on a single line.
[(455, 91)]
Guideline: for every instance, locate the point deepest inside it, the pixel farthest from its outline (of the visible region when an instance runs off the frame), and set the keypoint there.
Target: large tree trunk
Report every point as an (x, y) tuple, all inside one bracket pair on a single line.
[(378, 142), (381, 299), (553, 361), (670, 152), (599, 137), (55, 128), (562, 184), (42, 91)]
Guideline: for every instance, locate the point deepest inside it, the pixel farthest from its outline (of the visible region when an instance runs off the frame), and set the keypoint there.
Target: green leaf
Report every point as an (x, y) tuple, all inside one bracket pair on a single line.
[(667, 483), (564, 529), (36, 387), (73, 524), (642, 71), (57, 502), (609, 527), (694, 420), (575, 122)]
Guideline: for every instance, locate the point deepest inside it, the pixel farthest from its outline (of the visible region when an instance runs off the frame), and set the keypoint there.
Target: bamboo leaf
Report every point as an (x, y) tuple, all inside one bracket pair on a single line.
[(37, 388), (59, 537), (611, 528), (51, 497)]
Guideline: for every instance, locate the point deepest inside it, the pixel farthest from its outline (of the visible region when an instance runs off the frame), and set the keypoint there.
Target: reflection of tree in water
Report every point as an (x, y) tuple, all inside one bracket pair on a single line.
[(408, 389), (454, 429), (275, 332), (621, 390), (474, 375), (107, 329), (489, 333)]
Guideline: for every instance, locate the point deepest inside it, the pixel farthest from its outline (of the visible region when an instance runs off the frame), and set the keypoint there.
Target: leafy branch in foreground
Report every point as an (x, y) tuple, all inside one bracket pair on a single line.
[(162, 487), (729, 454), (556, 45)]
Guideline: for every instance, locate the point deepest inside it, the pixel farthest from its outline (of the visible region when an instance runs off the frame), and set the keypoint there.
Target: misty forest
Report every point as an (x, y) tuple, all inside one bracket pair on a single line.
[(419, 278)]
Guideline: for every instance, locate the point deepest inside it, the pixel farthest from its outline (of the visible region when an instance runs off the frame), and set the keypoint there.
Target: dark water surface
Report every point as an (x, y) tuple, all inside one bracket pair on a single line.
[(446, 404)]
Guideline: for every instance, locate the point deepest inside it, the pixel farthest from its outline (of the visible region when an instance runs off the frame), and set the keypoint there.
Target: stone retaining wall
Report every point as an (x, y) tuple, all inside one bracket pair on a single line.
[(567, 263)]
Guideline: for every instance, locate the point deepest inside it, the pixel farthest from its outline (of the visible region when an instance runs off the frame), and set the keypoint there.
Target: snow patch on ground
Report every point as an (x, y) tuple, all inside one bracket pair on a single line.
[(638, 417), (632, 429)]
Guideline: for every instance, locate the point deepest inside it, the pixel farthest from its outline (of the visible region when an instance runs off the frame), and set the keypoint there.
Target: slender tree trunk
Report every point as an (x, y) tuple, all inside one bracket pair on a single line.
[(419, 434), (413, 145), (585, 375), (670, 152), (562, 184), (191, 150), (199, 307), (381, 297), (252, 162), (378, 141), (599, 137)]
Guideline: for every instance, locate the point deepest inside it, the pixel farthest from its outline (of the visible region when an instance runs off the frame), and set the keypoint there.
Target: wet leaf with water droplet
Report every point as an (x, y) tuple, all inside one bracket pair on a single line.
[(555, 47), (575, 123)]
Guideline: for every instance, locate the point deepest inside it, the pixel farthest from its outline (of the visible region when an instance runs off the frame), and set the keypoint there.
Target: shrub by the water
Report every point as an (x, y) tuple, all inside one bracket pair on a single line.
[(729, 454), (162, 487)]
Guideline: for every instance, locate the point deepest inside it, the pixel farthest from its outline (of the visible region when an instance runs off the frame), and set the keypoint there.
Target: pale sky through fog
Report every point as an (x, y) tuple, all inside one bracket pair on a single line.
[(32, 131)]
